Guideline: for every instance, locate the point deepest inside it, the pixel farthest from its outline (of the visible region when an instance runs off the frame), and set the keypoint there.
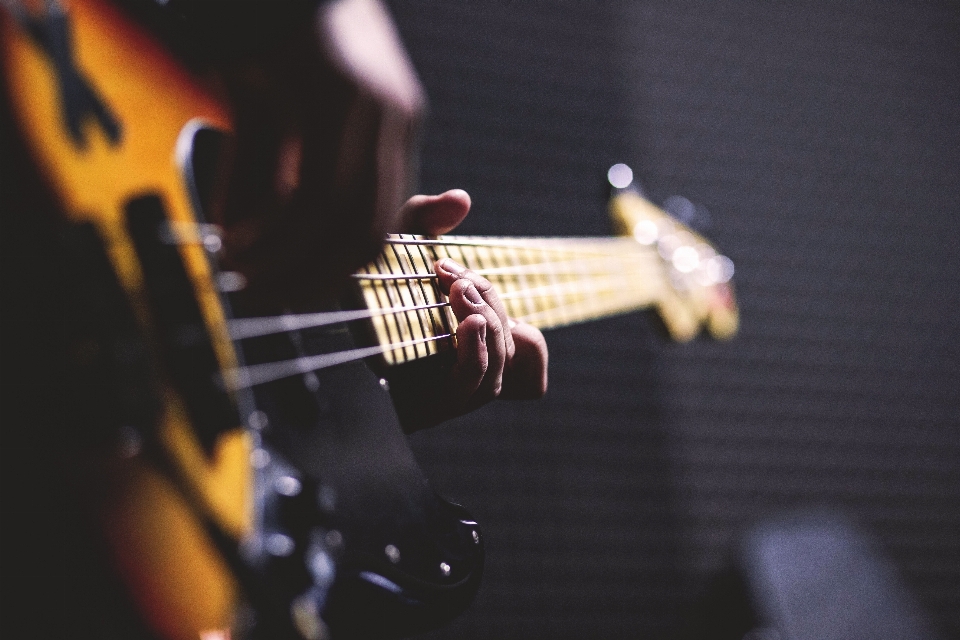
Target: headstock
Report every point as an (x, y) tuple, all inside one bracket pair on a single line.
[(699, 288)]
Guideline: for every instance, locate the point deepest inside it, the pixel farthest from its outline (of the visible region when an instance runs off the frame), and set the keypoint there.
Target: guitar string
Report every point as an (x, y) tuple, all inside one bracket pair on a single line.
[(400, 292), (552, 290), (541, 244), (424, 289), (253, 375), (257, 374), (538, 268), (389, 276), (381, 292), (551, 268), (447, 318), (607, 298), (573, 312), (244, 328), (507, 241), (402, 320)]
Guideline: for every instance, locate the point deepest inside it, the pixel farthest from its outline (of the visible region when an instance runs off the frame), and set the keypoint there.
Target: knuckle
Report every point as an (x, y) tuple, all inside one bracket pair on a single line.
[(482, 284), (460, 284), (494, 325)]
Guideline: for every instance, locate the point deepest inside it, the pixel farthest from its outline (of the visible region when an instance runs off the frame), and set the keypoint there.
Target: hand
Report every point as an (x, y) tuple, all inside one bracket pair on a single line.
[(324, 131), (496, 355)]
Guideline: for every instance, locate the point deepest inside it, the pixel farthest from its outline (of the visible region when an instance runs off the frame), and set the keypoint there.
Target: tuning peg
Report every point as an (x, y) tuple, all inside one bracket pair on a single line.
[(694, 216), (620, 176)]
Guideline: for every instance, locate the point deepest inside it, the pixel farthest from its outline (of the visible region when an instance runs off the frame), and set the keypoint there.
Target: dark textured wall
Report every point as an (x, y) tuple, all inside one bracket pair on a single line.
[(824, 139)]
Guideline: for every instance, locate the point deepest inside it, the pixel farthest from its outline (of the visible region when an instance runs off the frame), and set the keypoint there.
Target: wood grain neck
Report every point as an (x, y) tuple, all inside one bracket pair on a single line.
[(546, 282)]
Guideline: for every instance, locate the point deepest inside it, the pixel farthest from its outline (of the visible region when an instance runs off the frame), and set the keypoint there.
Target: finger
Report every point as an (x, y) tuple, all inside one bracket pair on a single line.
[(449, 270), (525, 375), (434, 215), (472, 359), (465, 301)]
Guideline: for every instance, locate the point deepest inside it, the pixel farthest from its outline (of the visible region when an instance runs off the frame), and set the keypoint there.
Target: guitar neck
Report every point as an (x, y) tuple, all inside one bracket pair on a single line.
[(546, 282)]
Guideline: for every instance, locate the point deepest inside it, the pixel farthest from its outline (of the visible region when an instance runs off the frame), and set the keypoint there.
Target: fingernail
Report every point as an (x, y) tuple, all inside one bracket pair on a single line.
[(482, 331), (471, 294), (451, 266)]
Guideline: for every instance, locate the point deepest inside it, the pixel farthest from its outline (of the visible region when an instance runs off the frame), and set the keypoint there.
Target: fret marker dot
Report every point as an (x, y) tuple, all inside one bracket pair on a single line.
[(685, 259), (646, 232)]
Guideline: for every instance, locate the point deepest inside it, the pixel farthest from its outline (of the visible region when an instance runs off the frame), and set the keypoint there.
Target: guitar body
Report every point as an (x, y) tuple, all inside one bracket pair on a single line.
[(210, 521), (135, 151), (255, 485)]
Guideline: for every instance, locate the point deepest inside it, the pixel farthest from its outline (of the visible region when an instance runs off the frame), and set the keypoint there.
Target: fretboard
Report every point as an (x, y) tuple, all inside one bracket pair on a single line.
[(656, 262), (546, 282)]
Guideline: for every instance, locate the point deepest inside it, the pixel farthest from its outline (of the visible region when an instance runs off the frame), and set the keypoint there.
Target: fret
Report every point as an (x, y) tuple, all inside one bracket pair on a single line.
[(518, 306), (548, 317), (592, 301), (581, 307), (386, 265), (577, 308), (431, 295), (374, 297), (481, 259), (455, 253), (622, 289), (437, 252), (557, 294), (405, 293), (534, 257), (554, 300), (468, 255), (419, 293), (450, 319), (386, 295)]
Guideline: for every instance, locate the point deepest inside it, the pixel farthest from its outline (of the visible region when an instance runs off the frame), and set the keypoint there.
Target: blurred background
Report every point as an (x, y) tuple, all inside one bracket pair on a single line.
[(820, 143)]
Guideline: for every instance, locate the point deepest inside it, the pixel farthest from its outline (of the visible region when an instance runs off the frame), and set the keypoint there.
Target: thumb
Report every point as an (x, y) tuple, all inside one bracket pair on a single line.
[(434, 215)]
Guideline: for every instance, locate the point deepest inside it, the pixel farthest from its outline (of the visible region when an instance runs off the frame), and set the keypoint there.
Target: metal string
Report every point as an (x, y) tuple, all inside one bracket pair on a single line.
[(252, 375), (243, 328), (256, 374)]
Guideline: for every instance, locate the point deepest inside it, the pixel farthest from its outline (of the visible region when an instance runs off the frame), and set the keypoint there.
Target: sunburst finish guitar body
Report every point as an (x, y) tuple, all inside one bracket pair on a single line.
[(110, 120), (108, 116)]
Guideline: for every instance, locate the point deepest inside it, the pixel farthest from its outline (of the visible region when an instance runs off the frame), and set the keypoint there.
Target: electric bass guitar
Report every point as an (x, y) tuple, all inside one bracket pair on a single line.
[(210, 526)]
